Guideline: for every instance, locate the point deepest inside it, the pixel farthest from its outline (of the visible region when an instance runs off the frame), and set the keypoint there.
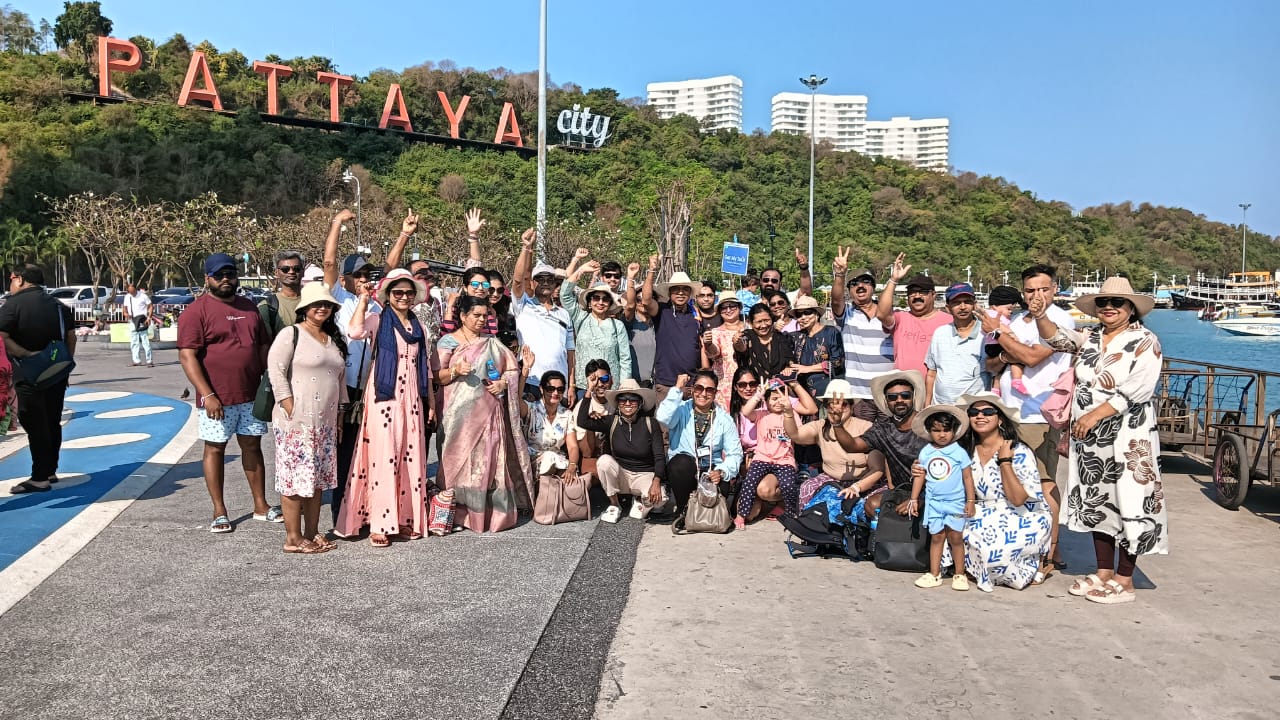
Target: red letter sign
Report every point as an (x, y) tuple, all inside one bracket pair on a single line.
[(335, 83), (513, 135), (273, 72), (131, 61), (189, 92), (455, 118), (401, 118)]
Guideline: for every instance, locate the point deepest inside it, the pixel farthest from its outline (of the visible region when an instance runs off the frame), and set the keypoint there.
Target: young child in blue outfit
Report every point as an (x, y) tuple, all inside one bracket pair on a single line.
[(944, 471)]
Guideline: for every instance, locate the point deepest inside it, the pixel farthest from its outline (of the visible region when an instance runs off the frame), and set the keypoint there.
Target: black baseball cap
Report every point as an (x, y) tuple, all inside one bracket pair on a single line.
[(354, 262)]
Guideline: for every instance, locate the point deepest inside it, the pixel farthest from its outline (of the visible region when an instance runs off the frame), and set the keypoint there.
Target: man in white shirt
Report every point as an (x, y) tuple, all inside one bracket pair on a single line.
[(1020, 343), (137, 306), (543, 326)]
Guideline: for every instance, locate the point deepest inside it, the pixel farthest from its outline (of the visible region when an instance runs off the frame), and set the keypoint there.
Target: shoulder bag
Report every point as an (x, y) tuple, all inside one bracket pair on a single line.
[(265, 401), (48, 367), (354, 414), (560, 502), (705, 513), (1056, 409)]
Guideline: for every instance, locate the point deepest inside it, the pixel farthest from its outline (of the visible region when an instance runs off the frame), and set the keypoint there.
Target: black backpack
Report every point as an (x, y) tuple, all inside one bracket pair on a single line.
[(814, 534)]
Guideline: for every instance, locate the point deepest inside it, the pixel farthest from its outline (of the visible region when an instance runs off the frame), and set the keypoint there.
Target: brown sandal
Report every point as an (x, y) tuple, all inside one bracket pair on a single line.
[(379, 540), (323, 542), (306, 548)]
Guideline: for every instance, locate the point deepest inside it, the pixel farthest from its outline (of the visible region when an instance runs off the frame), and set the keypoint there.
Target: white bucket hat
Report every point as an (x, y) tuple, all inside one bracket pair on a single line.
[(676, 280), (395, 276)]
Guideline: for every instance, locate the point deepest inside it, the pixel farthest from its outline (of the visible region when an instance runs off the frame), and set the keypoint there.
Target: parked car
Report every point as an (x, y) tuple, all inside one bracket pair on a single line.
[(72, 294), (174, 296)]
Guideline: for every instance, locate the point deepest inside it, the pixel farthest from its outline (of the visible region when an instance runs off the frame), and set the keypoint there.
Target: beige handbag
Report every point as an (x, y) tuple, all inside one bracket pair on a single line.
[(706, 514), (559, 501)]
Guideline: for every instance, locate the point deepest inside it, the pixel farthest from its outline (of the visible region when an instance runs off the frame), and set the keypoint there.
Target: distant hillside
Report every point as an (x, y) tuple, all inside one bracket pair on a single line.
[(741, 184)]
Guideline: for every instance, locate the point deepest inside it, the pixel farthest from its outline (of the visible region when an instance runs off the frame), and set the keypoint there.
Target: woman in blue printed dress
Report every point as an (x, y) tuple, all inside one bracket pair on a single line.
[(1009, 532)]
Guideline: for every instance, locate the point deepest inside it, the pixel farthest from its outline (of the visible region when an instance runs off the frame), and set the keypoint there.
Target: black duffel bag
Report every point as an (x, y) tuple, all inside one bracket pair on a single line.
[(900, 542)]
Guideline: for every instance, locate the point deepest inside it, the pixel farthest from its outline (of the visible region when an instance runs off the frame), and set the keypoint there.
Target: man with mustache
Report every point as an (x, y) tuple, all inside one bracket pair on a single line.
[(899, 396), (222, 345), (912, 329)]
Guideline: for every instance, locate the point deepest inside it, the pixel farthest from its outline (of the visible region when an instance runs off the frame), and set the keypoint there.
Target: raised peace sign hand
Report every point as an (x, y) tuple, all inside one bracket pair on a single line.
[(410, 223), (899, 270), (840, 263)]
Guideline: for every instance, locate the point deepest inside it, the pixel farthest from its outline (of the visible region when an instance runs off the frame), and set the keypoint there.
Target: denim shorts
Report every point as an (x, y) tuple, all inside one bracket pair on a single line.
[(236, 420)]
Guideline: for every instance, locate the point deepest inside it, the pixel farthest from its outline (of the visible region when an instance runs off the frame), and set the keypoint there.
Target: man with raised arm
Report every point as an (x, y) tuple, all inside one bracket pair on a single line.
[(868, 345), (912, 328)]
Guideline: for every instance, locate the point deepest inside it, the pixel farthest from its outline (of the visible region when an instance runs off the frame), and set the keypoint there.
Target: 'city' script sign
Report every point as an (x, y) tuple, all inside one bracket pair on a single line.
[(581, 125), (123, 56)]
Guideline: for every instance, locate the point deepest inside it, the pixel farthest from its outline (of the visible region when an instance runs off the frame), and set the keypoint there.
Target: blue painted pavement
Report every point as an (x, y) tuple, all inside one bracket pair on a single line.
[(100, 449)]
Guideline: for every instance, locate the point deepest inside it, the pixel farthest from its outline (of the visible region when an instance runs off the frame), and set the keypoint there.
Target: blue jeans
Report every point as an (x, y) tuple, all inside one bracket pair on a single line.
[(140, 345)]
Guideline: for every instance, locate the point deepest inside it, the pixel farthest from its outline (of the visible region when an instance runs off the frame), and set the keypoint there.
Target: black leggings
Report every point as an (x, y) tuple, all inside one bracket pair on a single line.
[(682, 478), (1104, 546)]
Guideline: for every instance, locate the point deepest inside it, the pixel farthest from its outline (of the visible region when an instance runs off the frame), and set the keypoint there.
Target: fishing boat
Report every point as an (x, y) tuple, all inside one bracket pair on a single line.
[(1257, 326), (1241, 287)]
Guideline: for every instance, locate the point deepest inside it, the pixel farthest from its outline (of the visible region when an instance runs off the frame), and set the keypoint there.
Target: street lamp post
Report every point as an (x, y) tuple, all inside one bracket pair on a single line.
[(813, 82), (1244, 234), (772, 235), (348, 177), (542, 130)]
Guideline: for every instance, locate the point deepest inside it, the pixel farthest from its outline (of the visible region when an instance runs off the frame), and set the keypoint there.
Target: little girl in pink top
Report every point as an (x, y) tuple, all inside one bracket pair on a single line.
[(775, 455)]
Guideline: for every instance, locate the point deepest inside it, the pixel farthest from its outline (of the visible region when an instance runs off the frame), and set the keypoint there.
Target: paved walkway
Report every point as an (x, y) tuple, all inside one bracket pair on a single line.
[(157, 618)]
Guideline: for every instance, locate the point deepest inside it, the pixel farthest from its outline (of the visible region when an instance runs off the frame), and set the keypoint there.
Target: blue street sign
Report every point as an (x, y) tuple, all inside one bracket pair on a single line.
[(734, 260)]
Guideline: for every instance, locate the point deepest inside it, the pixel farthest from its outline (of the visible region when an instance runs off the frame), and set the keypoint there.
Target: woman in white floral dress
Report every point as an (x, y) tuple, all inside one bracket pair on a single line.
[(309, 383), (1114, 489), (1009, 530)]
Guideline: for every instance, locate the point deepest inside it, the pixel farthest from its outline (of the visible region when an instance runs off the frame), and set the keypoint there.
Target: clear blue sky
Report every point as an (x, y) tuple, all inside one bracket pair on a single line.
[(1174, 102)]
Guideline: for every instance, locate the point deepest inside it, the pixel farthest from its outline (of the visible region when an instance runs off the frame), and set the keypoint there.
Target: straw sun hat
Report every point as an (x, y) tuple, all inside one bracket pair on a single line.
[(1115, 286)]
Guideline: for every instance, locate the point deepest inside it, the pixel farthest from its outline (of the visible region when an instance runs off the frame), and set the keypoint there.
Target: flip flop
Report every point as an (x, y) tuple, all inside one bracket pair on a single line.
[(29, 486), (221, 524), (1112, 593), (1041, 576), (324, 542), (379, 541), (306, 548)]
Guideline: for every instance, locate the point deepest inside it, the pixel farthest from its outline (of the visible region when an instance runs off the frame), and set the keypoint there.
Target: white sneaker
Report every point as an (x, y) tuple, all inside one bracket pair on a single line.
[(638, 509), (611, 514)]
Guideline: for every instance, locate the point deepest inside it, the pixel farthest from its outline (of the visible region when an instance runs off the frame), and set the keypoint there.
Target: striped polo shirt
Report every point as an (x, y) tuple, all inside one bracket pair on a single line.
[(868, 349)]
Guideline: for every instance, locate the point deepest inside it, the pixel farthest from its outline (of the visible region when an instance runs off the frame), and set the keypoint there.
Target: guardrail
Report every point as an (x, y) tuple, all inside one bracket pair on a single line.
[(1195, 398)]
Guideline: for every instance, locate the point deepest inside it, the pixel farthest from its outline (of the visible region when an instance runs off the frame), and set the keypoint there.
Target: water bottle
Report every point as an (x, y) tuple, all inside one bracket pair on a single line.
[(491, 373), (871, 541), (875, 520)]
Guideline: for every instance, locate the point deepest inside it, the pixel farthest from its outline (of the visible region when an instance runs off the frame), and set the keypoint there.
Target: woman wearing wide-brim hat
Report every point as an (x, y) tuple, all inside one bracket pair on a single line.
[(598, 334), (391, 497), (860, 475), (307, 368), (1113, 489), (717, 345), (1008, 534), (634, 461)]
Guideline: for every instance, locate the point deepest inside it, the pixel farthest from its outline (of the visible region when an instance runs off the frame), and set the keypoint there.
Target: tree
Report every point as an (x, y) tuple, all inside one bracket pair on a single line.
[(17, 34), (79, 24)]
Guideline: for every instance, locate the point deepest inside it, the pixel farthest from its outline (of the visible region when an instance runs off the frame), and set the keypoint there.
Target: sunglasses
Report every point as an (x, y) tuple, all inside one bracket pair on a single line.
[(729, 306), (360, 275), (478, 284), (779, 303), (403, 293), (985, 412), (289, 269), (770, 281), (904, 395), (496, 289), (545, 279), (1110, 302), (862, 281), (629, 399), (553, 389), (748, 384), (704, 389), (802, 313), (599, 298), (610, 275), (225, 275)]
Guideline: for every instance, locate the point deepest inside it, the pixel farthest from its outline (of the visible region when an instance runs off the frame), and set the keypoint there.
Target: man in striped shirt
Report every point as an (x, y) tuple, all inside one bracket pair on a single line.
[(868, 346)]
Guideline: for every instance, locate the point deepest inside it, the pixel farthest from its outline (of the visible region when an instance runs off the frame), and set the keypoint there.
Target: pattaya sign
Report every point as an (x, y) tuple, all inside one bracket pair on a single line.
[(116, 55), (579, 125)]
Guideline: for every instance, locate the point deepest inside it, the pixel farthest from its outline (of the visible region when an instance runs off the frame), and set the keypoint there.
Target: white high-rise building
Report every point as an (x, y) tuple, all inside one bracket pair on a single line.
[(924, 143), (716, 102), (839, 119)]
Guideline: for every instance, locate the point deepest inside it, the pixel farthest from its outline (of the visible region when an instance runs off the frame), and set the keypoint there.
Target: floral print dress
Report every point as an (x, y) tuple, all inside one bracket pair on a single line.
[(1003, 542), (313, 374), (1114, 485)]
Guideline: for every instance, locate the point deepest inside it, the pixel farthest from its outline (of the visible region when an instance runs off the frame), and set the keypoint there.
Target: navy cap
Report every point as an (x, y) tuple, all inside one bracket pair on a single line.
[(218, 261), (354, 262), (959, 289)]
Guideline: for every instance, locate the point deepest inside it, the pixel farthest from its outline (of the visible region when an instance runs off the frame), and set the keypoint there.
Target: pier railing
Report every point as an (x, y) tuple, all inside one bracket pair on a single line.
[(1195, 398)]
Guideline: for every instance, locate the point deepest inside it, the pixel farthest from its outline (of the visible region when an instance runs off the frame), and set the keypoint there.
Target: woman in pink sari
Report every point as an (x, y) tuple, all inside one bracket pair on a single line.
[(485, 460)]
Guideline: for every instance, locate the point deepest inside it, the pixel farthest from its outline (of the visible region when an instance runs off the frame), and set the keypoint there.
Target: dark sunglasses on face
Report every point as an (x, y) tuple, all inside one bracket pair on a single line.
[(748, 384), (545, 279), (704, 389), (224, 275), (496, 289), (729, 306), (604, 380), (289, 269), (403, 293), (770, 281), (424, 275), (862, 281), (629, 399), (553, 389), (802, 313), (904, 395), (985, 412), (478, 284), (1110, 302), (610, 275), (778, 303), (360, 275), (599, 298)]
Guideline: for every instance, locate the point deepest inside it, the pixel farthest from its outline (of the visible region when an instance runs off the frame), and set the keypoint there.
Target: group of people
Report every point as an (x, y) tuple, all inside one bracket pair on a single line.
[(601, 374)]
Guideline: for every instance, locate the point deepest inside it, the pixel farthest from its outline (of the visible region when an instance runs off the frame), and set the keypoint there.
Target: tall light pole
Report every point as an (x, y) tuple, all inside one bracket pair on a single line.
[(348, 177), (813, 82), (542, 129), (1244, 234)]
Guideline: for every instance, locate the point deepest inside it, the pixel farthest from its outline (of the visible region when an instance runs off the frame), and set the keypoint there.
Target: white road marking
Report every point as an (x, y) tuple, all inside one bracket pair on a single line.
[(133, 412), (97, 396), (94, 441)]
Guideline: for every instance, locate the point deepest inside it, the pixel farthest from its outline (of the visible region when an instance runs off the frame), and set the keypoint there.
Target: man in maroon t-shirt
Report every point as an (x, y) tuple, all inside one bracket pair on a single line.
[(223, 345)]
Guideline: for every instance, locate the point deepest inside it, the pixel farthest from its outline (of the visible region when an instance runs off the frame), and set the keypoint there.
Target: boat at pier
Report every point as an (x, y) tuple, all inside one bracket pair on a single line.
[(1257, 287), (1257, 326)]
